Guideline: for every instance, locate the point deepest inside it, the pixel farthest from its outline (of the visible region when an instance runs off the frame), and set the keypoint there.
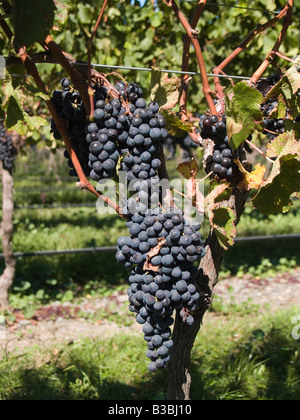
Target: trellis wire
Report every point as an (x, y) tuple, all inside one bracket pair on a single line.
[(231, 6), (190, 73), (114, 248)]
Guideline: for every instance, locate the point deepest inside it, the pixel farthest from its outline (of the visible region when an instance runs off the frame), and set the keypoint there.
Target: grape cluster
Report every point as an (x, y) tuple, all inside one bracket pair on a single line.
[(222, 159), (7, 149), (160, 252), (273, 127), (127, 134), (70, 108), (133, 139)]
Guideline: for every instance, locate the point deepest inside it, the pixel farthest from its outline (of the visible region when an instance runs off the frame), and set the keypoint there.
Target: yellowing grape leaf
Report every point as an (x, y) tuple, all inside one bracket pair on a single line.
[(221, 217), (284, 180), (252, 179), (224, 226), (285, 143), (164, 90), (189, 169), (286, 90)]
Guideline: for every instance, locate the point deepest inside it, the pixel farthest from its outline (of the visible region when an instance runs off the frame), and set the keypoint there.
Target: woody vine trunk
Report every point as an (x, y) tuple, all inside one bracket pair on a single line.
[(7, 277), (179, 376)]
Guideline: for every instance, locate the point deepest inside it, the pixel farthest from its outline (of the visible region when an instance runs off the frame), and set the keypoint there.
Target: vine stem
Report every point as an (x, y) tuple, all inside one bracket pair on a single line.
[(242, 47), (285, 26), (284, 57), (89, 52), (193, 34), (185, 78), (83, 182), (259, 151)]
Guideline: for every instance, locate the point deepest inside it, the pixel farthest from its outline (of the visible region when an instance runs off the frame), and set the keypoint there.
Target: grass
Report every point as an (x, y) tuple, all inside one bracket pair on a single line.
[(258, 360)]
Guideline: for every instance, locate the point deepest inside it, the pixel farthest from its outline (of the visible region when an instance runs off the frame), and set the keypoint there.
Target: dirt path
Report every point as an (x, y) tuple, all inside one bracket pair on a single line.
[(67, 323)]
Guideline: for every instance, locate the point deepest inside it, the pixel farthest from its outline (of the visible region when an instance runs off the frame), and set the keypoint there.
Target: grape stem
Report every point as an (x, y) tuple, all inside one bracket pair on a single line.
[(284, 57), (89, 52), (259, 151)]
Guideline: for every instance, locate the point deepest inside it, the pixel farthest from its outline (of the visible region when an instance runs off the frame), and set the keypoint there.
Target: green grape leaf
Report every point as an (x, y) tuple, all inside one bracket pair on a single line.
[(188, 169), (283, 144), (164, 90), (32, 21), (36, 92), (61, 15), (14, 113), (221, 217), (35, 122), (15, 117), (284, 180), (286, 91), (224, 226), (175, 123), (243, 113)]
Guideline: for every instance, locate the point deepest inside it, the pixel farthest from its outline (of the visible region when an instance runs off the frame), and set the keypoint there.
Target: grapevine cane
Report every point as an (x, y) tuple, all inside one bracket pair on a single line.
[(192, 34), (83, 182), (286, 24), (242, 47), (185, 60), (185, 79)]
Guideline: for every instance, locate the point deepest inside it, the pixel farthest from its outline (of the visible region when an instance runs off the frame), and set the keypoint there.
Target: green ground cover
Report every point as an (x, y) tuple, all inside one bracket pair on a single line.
[(258, 360)]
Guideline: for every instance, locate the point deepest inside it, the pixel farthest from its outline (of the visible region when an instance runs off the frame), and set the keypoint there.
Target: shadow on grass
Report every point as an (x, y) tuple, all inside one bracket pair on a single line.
[(265, 366), (262, 366)]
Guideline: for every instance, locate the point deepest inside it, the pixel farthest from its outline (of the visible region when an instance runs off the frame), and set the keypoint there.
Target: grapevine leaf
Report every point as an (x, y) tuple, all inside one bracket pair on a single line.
[(189, 169), (284, 180), (294, 127), (14, 113), (243, 113), (283, 144), (32, 21), (174, 122), (164, 90), (218, 194), (36, 92), (252, 179), (7, 89), (224, 226), (35, 122), (61, 16), (286, 91), (221, 218)]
